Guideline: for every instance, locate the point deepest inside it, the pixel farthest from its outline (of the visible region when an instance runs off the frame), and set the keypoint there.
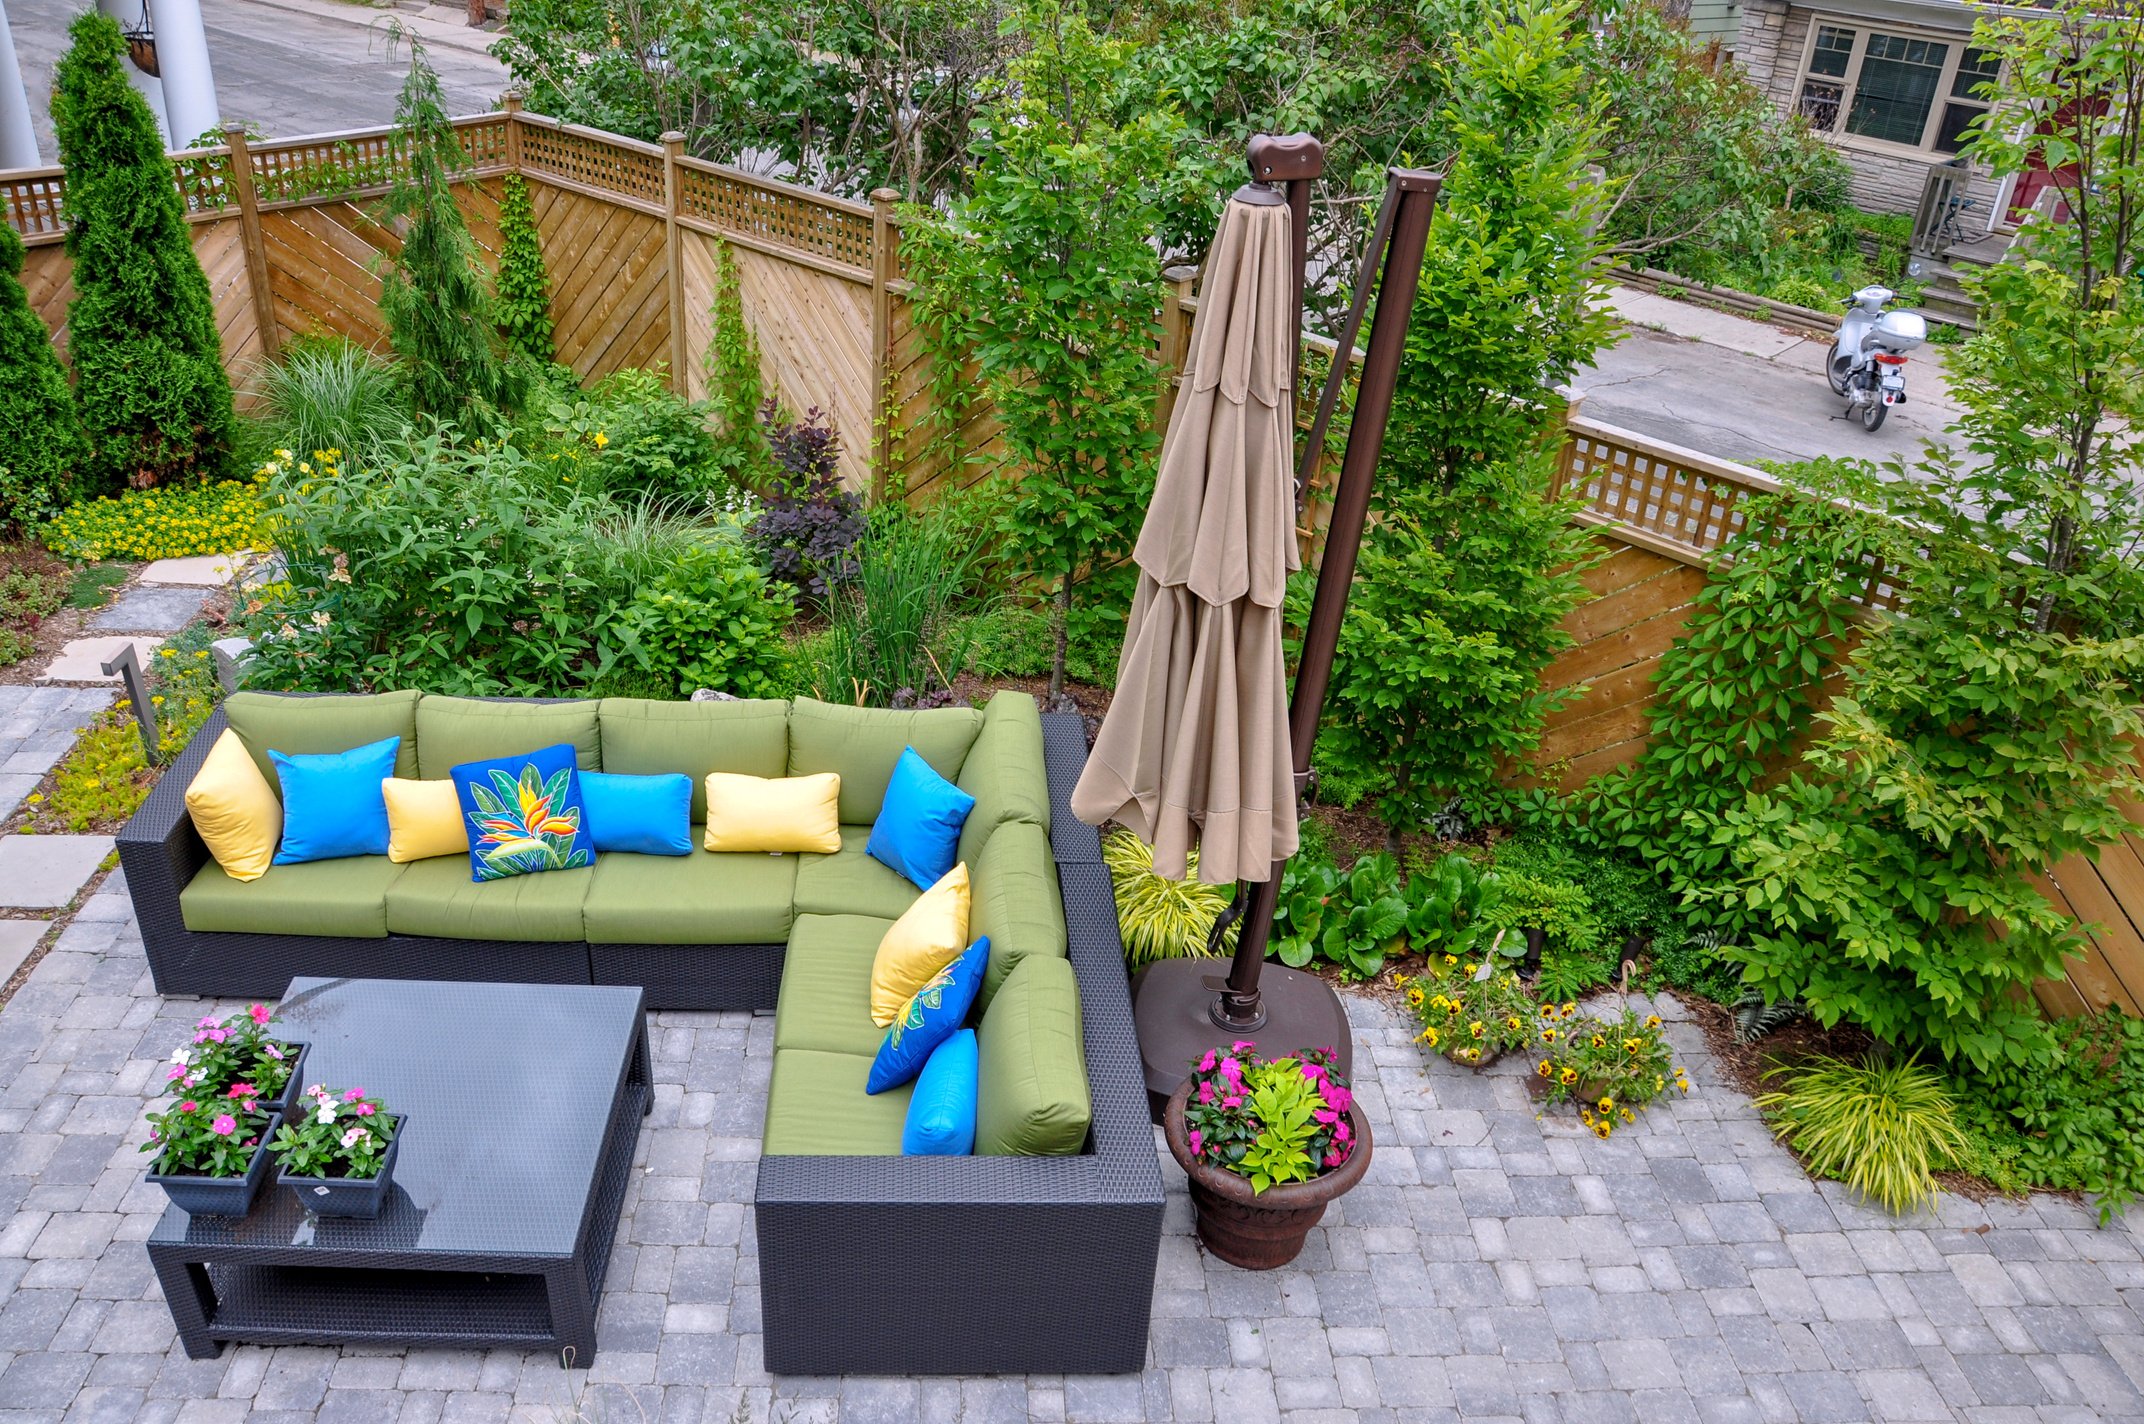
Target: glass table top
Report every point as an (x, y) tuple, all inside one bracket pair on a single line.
[(508, 1087)]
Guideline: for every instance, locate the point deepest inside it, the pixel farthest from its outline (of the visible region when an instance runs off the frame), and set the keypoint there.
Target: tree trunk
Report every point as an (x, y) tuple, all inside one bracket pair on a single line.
[(1060, 638)]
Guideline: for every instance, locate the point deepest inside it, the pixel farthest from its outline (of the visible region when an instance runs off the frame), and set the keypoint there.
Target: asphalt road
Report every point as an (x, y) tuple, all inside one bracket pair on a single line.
[(287, 69)]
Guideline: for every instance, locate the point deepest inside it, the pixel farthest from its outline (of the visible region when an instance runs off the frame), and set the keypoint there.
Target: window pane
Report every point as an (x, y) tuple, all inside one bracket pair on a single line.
[(1975, 68), (1950, 134), (1820, 104), (1897, 88), (1834, 47)]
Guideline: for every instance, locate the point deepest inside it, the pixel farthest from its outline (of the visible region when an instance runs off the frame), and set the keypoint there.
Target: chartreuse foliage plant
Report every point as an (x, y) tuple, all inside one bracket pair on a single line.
[(1039, 289), (150, 388), (524, 287), (1161, 918), (40, 438), (326, 393), (442, 319), (1271, 1120), (167, 522), (1882, 1126)]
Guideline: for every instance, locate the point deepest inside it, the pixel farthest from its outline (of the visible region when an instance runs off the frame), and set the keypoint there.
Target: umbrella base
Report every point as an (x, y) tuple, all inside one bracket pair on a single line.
[(1173, 1011)]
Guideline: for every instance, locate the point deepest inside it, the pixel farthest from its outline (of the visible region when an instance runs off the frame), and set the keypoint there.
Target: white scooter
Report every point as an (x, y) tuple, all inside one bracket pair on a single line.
[(1868, 356)]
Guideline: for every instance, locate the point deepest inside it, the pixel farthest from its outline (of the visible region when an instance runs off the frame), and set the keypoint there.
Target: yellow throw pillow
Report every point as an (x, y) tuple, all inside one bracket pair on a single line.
[(424, 819), (774, 813), (235, 809), (925, 940)]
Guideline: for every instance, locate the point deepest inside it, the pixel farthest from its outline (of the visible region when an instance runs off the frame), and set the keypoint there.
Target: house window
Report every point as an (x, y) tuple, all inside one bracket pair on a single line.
[(1912, 90)]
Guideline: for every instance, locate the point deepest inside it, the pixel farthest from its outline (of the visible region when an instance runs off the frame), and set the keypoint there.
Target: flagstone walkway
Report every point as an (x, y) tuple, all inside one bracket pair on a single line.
[(1492, 1266)]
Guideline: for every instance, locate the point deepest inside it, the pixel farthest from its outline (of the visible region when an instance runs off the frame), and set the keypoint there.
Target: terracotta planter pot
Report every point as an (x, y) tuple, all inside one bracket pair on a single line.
[(1258, 1231)]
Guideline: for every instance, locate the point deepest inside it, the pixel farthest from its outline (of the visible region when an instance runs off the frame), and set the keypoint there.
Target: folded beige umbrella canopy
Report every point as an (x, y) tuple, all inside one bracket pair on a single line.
[(1194, 753)]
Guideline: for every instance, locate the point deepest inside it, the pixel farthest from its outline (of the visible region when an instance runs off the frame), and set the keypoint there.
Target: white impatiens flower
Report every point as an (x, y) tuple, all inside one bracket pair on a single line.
[(326, 1115), (180, 1055), (354, 1136)]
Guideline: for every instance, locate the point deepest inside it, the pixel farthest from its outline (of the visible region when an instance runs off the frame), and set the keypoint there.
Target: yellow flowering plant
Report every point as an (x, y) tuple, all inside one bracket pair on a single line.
[(1610, 1068), (163, 522), (1471, 1021)]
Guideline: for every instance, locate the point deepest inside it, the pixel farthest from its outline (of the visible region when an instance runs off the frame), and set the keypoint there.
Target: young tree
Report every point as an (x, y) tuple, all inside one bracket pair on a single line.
[(1045, 280), (441, 317), (524, 288), (155, 403), (40, 439)]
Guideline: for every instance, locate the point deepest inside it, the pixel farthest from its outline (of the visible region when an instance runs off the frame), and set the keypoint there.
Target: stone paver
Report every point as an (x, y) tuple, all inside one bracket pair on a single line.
[(83, 659), (17, 939), (200, 571), (37, 726), (44, 872), (1491, 1266), (152, 609)]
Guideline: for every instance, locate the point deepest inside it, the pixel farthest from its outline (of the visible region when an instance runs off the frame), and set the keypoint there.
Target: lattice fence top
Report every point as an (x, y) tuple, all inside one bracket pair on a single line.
[(602, 162), (826, 227), (33, 199)]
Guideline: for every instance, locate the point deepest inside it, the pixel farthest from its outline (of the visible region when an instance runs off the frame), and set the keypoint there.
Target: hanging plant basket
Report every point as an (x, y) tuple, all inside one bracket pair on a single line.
[(141, 48)]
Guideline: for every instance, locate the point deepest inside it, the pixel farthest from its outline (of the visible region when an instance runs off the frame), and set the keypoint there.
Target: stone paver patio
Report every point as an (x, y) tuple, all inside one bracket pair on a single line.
[(1491, 1267)]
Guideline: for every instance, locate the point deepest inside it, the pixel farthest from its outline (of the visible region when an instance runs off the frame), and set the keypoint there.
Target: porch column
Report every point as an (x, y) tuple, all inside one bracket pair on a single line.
[(18, 141), (127, 14), (189, 85)]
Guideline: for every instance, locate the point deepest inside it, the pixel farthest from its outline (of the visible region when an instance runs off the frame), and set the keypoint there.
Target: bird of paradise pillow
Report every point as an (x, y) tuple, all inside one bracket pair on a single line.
[(524, 814)]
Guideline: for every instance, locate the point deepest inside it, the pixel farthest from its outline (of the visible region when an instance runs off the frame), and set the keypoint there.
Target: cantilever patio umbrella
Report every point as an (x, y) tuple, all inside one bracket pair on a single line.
[(1201, 747)]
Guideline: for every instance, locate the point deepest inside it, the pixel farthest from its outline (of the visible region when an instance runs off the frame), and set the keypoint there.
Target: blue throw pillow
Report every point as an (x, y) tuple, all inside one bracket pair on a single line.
[(332, 804), (918, 826), (641, 815), (931, 1016), (524, 814), (941, 1112)]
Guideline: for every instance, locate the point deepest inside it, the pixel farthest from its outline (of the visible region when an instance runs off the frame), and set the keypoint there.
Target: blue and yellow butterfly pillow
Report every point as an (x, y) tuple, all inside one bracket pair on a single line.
[(933, 1014), (524, 814)]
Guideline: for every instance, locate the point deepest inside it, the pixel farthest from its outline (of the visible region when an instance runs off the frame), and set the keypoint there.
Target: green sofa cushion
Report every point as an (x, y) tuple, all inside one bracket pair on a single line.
[(1004, 772), (850, 882), (817, 1107), (1033, 1098), (1015, 900), (438, 899), (310, 726), (346, 898), (453, 730), (863, 743), (702, 898), (643, 738), (825, 1001)]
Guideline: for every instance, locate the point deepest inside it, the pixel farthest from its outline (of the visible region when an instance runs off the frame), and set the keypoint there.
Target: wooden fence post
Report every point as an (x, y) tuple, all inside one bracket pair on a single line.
[(258, 283), (885, 267), (1178, 283), (511, 102), (673, 150)]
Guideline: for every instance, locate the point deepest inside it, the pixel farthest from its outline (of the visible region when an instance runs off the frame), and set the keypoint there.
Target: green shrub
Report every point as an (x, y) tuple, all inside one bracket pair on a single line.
[(40, 438), (894, 633), (32, 588), (1161, 918), (2071, 1124), (327, 393), (710, 619), (524, 288), (141, 331), (173, 522), (1009, 640), (1883, 1127), (630, 434), (1355, 921)]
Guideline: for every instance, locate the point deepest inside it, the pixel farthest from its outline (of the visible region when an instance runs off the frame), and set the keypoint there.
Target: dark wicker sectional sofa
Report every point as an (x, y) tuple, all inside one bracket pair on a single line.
[(867, 1264)]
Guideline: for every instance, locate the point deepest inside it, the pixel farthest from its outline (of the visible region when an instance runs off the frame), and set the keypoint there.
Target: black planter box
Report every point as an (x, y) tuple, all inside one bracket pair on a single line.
[(291, 1087), (349, 1196), (221, 1196)]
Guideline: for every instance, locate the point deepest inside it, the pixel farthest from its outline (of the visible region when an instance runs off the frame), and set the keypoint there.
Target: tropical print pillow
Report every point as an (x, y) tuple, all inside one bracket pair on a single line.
[(524, 814), (931, 1016)]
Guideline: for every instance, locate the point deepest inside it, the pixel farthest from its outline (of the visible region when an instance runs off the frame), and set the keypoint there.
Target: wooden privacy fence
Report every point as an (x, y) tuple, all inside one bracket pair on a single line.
[(288, 236)]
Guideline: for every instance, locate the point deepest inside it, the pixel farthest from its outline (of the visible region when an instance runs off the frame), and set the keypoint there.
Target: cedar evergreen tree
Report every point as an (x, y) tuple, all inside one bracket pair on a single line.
[(150, 387), (440, 312), (40, 439)]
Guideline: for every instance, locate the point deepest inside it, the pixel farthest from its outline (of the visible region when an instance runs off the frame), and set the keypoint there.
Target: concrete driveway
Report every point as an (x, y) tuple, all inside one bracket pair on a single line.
[(1746, 391)]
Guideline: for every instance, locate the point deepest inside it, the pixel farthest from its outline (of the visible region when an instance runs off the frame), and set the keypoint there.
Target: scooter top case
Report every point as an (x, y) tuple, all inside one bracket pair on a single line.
[(1896, 332)]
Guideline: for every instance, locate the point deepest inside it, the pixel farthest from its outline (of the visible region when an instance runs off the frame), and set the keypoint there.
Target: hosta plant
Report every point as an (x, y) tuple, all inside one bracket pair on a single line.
[(1882, 1126), (1611, 1068), (1469, 1017), (1356, 920), (1158, 917), (332, 1134), (1270, 1120)]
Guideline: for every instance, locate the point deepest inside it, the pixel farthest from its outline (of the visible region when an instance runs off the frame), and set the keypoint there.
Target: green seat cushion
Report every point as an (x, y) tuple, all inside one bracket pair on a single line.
[(346, 898), (1014, 898), (454, 730), (312, 726), (861, 744), (849, 882), (1032, 1100), (437, 898), (1004, 772), (644, 738), (706, 897), (817, 1107), (825, 1002)]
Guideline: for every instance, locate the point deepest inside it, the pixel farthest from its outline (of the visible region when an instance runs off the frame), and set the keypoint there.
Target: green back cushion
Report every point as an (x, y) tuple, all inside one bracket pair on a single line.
[(861, 744), (642, 738), (453, 730), (1014, 899), (1004, 771), (311, 726), (1033, 1096)]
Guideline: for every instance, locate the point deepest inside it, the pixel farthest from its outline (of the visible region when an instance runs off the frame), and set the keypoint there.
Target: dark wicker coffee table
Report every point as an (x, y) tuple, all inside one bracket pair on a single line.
[(524, 1103)]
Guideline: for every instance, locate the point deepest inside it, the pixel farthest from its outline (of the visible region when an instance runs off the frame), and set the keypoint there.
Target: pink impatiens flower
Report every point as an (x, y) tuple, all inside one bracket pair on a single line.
[(1198, 1142), (366, 1110), (258, 1013), (1242, 1045), (1324, 1115), (272, 1051), (1338, 1099), (188, 1106), (1206, 1063), (224, 1125), (1205, 1095), (178, 1071), (353, 1095), (354, 1136)]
